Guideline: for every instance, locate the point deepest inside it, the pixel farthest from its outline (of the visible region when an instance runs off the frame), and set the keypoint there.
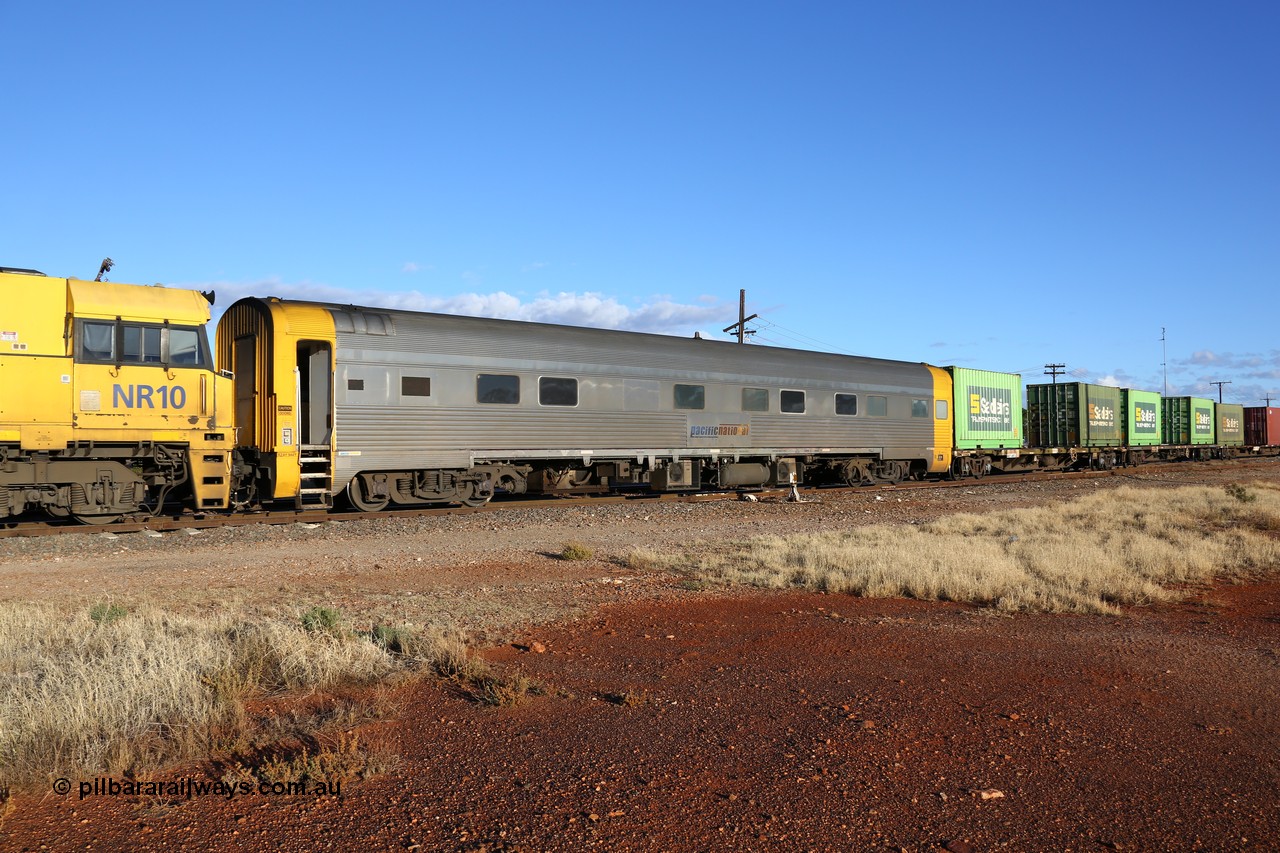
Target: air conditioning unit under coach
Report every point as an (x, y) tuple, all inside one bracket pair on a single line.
[(676, 476)]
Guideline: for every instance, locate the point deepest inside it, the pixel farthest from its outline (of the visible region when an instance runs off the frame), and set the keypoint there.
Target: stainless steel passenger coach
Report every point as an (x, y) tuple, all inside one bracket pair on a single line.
[(394, 407)]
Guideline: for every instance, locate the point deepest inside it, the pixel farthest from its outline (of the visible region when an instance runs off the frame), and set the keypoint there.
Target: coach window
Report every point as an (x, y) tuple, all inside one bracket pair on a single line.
[(690, 397), (97, 341), (919, 408), (557, 391), (940, 410), (410, 386), (791, 402), (877, 407), (755, 399), (846, 404), (496, 388)]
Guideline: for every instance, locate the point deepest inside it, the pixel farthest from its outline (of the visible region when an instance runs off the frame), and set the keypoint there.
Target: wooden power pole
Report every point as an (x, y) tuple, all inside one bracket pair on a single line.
[(741, 325)]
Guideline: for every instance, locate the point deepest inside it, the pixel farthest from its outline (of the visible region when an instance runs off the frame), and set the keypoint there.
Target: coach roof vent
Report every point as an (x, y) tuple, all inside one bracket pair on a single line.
[(362, 323)]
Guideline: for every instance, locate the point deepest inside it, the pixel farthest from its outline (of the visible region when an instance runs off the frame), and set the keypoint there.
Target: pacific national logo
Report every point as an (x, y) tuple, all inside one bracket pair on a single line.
[(990, 409), (1144, 418), (718, 430)]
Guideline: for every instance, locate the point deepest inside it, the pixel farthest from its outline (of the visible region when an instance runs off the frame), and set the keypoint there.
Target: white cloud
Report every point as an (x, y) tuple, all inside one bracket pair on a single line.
[(1111, 380), (661, 315), (410, 266)]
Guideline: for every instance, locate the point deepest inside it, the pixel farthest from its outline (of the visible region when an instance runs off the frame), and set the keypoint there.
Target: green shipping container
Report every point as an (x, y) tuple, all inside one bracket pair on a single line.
[(1230, 424), (1143, 417), (1188, 420), (988, 408), (1074, 414)]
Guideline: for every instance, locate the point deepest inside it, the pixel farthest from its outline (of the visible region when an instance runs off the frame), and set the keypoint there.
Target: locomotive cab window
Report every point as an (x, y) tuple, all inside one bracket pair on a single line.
[(497, 388), (141, 345), (755, 399), (690, 397), (184, 347), (97, 341), (791, 402), (877, 407), (846, 404), (557, 391), (102, 342), (919, 408)]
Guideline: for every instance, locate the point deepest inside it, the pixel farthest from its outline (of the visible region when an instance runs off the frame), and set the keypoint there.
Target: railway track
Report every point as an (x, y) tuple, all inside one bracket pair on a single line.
[(179, 521)]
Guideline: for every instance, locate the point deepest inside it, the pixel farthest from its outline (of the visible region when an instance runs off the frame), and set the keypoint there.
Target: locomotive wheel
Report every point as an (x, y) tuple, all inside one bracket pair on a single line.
[(355, 494), (476, 500)]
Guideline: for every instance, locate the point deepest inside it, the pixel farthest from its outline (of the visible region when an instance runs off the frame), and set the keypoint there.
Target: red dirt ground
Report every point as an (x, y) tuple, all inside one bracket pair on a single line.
[(796, 722)]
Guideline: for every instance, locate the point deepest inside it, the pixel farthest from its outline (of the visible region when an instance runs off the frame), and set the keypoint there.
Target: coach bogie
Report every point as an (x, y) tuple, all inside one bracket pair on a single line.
[(373, 491)]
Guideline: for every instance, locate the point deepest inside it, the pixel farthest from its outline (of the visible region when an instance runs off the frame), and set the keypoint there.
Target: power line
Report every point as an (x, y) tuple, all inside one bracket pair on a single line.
[(830, 346)]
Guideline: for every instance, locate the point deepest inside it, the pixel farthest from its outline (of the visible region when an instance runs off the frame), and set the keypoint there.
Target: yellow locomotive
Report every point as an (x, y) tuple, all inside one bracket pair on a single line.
[(109, 401)]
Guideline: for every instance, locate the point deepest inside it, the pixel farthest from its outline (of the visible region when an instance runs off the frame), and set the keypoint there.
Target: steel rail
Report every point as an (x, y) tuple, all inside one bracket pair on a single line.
[(204, 521)]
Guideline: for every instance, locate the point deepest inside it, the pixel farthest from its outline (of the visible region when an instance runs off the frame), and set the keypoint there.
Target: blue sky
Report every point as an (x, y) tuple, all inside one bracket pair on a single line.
[(998, 185)]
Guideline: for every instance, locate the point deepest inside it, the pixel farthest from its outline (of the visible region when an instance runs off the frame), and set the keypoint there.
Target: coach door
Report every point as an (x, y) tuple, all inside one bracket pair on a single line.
[(245, 365), (315, 420)]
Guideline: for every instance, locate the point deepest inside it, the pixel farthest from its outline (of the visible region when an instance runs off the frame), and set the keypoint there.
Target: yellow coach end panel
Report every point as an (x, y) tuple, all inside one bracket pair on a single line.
[(943, 418)]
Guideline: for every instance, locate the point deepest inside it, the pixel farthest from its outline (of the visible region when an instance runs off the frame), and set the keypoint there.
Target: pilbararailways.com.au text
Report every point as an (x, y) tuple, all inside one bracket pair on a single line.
[(189, 788)]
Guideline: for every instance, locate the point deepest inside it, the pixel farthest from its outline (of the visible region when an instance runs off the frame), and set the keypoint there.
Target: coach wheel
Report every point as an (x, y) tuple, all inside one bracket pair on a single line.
[(97, 519), (475, 496), (979, 468), (355, 493)]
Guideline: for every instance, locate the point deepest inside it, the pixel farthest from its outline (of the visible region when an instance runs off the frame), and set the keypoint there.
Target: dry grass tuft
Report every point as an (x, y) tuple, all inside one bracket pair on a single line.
[(335, 762), (1124, 546), (113, 690), (576, 551)]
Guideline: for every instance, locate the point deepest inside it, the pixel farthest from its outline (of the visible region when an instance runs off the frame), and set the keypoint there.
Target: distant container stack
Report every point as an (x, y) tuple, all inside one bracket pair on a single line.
[(988, 408), (1188, 420), (1262, 425), (1075, 414)]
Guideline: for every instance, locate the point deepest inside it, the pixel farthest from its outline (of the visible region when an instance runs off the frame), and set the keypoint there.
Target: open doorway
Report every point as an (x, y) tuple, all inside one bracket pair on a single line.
[(315, 390)]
